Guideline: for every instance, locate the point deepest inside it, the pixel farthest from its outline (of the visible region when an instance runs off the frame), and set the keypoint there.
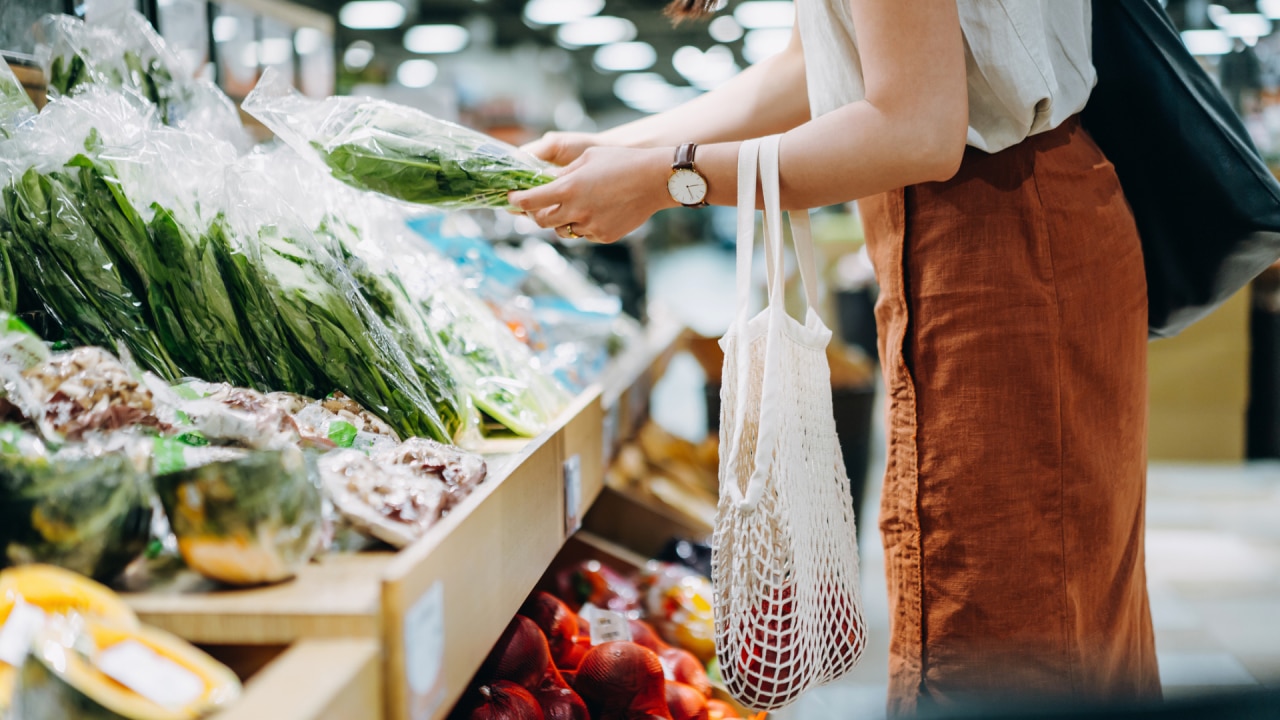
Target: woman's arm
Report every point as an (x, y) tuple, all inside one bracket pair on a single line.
[(910, 128), (766, 98)]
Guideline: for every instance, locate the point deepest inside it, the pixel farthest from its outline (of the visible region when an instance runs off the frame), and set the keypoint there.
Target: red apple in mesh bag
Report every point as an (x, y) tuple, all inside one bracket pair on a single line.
[(762, 674)]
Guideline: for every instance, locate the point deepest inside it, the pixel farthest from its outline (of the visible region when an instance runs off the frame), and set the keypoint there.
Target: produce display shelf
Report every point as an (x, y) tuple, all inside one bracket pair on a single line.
[(433, 610), (322, 679)]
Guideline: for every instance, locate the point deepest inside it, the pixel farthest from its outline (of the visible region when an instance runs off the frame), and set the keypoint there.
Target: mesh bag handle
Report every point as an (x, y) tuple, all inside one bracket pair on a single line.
[(759, 159)]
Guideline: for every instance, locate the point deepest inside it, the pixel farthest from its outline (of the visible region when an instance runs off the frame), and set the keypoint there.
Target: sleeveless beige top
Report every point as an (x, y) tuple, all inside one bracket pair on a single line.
[(1029, 63)]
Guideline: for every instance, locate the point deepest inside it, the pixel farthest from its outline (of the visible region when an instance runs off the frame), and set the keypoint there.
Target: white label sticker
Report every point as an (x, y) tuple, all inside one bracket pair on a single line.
[(607, 626), (609, 434), (572, 494), (19, 630), (156, 678), (424, 650)]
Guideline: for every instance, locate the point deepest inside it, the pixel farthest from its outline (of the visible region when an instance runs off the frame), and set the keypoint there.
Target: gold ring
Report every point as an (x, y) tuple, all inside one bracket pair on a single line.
[(572, 235)]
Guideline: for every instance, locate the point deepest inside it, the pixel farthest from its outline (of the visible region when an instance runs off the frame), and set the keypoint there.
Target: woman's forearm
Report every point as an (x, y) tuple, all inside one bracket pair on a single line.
[(766, 98), (851, 153)]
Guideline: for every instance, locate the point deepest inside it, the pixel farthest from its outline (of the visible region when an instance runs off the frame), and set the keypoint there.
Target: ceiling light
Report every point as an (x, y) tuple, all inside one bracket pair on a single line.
[(308, 40), (225, 28), (1270, 8), (357, 55), (557, 12), (725, 29), (416, 73), (1207, 42), (705, 70), (274, 51), (625, 56), (760, 44), (765, 14), (372, 14), (596, 31), (650, 92), (436, 38), (1243, 25)]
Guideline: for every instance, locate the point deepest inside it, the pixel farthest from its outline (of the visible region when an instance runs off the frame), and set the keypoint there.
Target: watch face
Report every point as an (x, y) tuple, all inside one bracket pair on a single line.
[(687, 187)]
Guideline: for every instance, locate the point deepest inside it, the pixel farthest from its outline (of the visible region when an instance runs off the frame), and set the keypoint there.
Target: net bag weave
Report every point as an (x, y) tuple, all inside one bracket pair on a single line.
[(788, 610)]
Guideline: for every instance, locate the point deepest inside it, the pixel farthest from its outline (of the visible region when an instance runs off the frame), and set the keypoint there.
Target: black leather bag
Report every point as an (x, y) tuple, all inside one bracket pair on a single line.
[(1207, 207)]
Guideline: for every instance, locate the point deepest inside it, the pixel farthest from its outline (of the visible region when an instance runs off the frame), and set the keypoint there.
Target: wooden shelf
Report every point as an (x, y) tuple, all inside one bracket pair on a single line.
[(432, 611)]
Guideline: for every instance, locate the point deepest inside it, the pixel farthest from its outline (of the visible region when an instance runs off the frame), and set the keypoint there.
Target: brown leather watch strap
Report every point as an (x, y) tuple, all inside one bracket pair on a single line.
[(684, 157)]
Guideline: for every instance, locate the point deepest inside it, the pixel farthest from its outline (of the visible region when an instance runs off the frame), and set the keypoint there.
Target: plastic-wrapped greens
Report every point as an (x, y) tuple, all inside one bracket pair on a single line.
[(121, 50), (325, 320), (15, 103), (395, 150)]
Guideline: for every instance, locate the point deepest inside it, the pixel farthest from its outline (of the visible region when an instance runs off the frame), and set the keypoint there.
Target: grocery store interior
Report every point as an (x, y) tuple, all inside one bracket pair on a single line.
[(278, 446)]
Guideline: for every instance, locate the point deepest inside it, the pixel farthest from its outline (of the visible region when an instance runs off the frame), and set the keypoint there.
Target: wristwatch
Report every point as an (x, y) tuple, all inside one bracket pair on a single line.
[(686, 185)]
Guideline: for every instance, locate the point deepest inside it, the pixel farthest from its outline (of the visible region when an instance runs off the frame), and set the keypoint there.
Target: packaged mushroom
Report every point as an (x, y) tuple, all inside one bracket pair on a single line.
[(396, 494), (83, 391)]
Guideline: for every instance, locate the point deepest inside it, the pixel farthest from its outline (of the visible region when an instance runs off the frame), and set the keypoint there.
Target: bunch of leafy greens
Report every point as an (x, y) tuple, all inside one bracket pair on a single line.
[(395, 150), (260, 309), (427, 171)]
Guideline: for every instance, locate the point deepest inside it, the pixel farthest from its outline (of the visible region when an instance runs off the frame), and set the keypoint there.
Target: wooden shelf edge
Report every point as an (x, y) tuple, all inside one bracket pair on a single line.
[(315, 680)]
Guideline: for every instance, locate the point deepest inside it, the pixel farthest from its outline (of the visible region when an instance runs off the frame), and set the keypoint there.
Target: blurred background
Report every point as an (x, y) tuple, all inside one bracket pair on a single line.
[(518, 68)]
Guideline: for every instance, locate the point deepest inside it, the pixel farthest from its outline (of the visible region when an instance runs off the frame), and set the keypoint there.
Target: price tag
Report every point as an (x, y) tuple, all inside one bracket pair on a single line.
[(19, 630), (144, 671), (609, 434), (572, 494), (424, 652), (608, 626)]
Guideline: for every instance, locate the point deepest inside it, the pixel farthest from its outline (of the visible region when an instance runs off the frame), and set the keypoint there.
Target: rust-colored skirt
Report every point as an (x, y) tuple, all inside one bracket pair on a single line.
[(1013, 336)]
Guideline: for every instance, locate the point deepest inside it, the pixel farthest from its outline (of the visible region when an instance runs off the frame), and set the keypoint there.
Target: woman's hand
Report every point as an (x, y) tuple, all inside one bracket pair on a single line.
[(562, 148), (603, 195)]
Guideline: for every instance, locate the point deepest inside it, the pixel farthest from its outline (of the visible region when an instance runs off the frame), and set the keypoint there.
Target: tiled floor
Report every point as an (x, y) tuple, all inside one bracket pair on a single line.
[(1213, 540)]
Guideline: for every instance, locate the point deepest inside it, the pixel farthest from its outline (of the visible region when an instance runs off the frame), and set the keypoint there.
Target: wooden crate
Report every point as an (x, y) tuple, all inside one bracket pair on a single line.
[(432, 611)]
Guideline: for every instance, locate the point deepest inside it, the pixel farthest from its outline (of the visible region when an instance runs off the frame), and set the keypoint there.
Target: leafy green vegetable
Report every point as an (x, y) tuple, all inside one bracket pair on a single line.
[(389, 300), (425, 170), (341, 338), (57, 254)]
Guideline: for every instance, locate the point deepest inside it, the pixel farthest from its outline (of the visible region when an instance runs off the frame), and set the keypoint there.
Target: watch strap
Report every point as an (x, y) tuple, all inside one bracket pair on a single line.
[(684, 157)]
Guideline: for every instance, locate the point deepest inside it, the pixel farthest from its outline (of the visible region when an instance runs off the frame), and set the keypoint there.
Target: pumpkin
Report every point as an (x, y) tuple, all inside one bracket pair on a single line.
[(85, 513), (55, 592), (246, 521), (64, 676)]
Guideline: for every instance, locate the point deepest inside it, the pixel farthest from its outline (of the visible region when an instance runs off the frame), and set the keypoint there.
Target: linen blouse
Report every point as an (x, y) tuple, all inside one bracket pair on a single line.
[(1029, 63)]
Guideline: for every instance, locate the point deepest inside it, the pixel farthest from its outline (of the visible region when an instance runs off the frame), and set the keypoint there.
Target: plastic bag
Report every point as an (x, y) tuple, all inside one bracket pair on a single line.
[(447, 332), (247, 521), (394, 150), (86, 512), (122, 50), (325, 325), (15, 103)]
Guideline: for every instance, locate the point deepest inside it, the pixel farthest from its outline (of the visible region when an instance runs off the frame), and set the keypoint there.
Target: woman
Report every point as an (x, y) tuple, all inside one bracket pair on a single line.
[(1012, 318)]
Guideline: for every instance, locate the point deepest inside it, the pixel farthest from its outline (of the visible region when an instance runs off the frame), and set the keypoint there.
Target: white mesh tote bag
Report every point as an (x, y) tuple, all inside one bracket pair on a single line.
[(784, 554)]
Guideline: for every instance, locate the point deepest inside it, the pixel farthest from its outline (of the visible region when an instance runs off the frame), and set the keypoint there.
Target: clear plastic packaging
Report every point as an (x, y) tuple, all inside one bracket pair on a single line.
[(15, 103), (78, 509), (247, 521), (395, 150), (455, 342), (121, 50)]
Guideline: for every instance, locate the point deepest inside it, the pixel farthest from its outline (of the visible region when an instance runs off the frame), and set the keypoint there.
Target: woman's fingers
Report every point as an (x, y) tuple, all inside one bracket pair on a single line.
[(543, 196), (554, 216)]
